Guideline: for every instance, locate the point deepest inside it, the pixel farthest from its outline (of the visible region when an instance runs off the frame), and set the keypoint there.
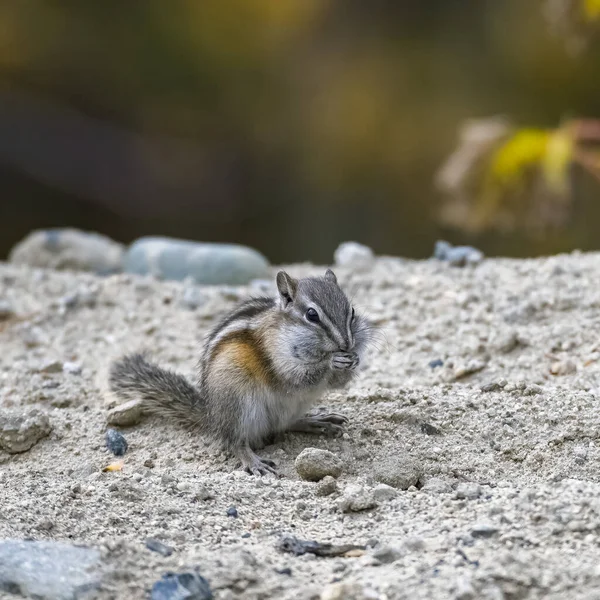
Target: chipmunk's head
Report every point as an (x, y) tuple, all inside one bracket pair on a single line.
[(322, 317)]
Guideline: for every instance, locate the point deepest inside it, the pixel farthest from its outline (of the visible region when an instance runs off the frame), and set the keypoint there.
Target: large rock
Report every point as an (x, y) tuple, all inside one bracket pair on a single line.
[(49, 570), (18, 433), (69, 249), (205, 263)]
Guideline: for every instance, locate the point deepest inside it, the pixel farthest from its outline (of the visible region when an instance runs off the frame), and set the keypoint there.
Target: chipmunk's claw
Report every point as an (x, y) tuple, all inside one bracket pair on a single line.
[(255, 465), (335, 418)]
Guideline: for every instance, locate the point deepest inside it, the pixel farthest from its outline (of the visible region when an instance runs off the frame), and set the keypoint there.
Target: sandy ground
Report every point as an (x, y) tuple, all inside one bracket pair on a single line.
[(501, 464)]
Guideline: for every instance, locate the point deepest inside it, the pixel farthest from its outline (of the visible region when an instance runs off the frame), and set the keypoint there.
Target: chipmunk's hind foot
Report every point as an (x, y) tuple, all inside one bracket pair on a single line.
[(255, 465)]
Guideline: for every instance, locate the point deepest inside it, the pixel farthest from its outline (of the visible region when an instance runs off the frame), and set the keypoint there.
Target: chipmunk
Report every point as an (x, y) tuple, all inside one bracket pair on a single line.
[(263, 366)]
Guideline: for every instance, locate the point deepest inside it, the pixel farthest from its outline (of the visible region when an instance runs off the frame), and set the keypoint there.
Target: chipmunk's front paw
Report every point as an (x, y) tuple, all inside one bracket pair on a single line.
[(325, 424), (347, 361)]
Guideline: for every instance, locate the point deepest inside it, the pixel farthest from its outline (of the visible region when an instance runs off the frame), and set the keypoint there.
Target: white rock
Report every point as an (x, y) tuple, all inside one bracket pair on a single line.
[(354, 255)]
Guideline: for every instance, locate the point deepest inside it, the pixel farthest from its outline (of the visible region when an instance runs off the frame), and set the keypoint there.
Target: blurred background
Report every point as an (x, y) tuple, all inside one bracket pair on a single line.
[(294, 125)]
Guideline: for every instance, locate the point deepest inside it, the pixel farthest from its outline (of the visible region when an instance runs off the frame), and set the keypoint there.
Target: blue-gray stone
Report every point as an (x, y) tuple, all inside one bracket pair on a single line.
[(69, 249), (457, 255), (182, 586), (115, 442), (204, 263), (49, 570)]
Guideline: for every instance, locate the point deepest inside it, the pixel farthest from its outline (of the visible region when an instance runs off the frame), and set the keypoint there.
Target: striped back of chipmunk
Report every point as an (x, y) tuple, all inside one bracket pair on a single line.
[(234, 341)]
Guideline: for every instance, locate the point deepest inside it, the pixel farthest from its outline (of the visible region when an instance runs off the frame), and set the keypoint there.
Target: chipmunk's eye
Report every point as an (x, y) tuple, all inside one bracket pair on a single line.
[(312, 315), (353, 315)]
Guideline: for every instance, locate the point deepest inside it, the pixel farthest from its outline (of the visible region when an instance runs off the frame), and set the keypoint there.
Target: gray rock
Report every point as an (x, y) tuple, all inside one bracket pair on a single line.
[(483, 530), (72, 368), (387, 554), (326, 487), (468, 491), (459, 256), (384, 493), (354, 255), (126, 414), (49, 570), (19, 433), (6, 310), (157, 546), (205, 263), (435, 485), (115, 442), (312, 464), (469, 368), (356, 498), (348, 591), (398, 471), (69, 249), (51, 366), (181, 586), (506, 341), (564, 367)]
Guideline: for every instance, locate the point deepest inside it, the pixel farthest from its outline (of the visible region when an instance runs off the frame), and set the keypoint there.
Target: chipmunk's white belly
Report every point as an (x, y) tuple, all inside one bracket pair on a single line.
[(266, 413)]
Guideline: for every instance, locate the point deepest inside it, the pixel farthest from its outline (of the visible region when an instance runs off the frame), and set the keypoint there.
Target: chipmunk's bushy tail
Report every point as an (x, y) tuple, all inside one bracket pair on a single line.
[(161, 391)]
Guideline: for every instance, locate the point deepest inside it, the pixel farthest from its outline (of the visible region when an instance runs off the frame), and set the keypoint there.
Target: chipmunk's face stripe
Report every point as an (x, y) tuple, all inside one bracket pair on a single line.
[(331, 330)]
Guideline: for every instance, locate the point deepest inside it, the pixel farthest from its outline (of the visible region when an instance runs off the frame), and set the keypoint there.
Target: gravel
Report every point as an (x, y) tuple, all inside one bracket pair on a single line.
[(521, 458)]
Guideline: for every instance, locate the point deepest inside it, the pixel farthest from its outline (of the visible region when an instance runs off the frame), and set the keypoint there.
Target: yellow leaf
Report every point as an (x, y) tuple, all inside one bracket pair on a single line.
[(591, 9), (556, 161), (116, 466), (524, 150)]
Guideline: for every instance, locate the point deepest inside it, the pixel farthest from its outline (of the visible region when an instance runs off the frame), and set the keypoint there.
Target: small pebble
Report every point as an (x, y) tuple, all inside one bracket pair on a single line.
[(435, 485), (565, 367), (126, 414), (285, 571), (399, 471), (326, 487), (356, 498), (468, 491), (313, 464), (51, 366), (6, 310), (429, 429), (384, 493), (458, 256), (157, 546), (115, 442), (232, 512), (387, 554), (434, 364), (482, 530), (181, 586), (72, 368)]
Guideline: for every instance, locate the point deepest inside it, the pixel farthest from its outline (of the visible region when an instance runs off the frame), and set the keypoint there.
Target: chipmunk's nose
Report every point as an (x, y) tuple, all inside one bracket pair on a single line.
[(347, 345)]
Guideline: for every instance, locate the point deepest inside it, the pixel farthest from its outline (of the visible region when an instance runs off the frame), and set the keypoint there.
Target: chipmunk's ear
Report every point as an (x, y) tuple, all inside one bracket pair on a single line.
[(330, 276), (287, 287)]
